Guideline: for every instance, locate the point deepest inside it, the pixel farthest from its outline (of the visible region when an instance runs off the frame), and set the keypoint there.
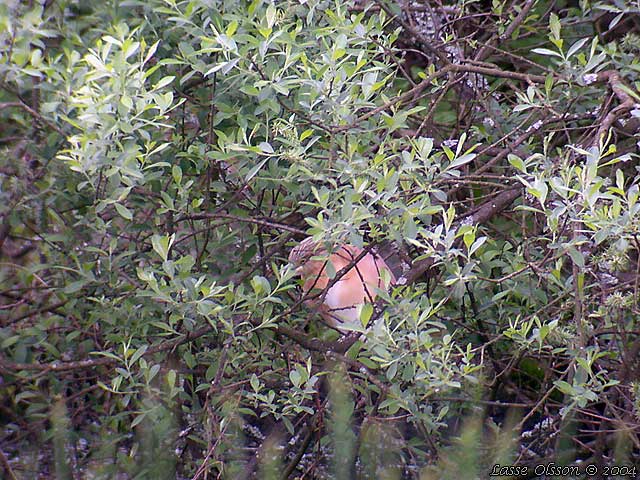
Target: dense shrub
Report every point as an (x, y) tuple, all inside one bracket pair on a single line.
[(161, 158)]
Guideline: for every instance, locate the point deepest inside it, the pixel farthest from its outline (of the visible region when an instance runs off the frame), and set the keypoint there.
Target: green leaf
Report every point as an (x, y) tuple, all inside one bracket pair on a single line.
[(260, 285), (253, 172), (517, 162), (564, 387), (123, 211), (176, 172), (265, 147), (554, 26), (295, 377), (163, 82), (74, 287), (138, 353), (575, 47), (366, 311), (546, 52), (231, 29), (138, 419), (153, 371), (466, 158), (254, 382), (306, 134), (576, 256), (171, 378), (161, 245), (271, 15), (8, 342)]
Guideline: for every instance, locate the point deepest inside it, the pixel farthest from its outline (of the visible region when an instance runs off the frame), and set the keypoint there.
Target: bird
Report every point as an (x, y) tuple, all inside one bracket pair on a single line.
[(340, 305)]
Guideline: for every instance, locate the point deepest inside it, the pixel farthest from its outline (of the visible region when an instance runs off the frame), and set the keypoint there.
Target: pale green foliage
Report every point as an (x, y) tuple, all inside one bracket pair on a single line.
[(185, 146)]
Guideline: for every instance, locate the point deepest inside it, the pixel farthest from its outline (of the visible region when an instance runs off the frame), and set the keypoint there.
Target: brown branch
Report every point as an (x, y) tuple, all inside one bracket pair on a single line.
[(11, 367), (521, 17), (5, 228), (497, 72), (257, 221), (424, 42), (303, 448), (627, 102), (7, 467), (512, 146), (412, 93), (46, 308), (481, 215), (34, 114)]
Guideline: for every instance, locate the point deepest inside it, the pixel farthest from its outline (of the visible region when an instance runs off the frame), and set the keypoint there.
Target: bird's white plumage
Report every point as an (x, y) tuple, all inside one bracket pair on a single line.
[(340, 305)]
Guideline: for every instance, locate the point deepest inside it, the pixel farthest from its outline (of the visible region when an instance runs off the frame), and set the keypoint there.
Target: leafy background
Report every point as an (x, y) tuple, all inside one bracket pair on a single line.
[(161, 158)]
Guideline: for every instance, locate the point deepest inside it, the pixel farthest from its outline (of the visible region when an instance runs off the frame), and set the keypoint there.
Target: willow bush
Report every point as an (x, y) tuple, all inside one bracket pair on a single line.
[(161, 158)]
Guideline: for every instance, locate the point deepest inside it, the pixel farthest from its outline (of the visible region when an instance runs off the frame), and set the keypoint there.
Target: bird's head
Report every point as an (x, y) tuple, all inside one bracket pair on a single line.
[(301, 253)]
